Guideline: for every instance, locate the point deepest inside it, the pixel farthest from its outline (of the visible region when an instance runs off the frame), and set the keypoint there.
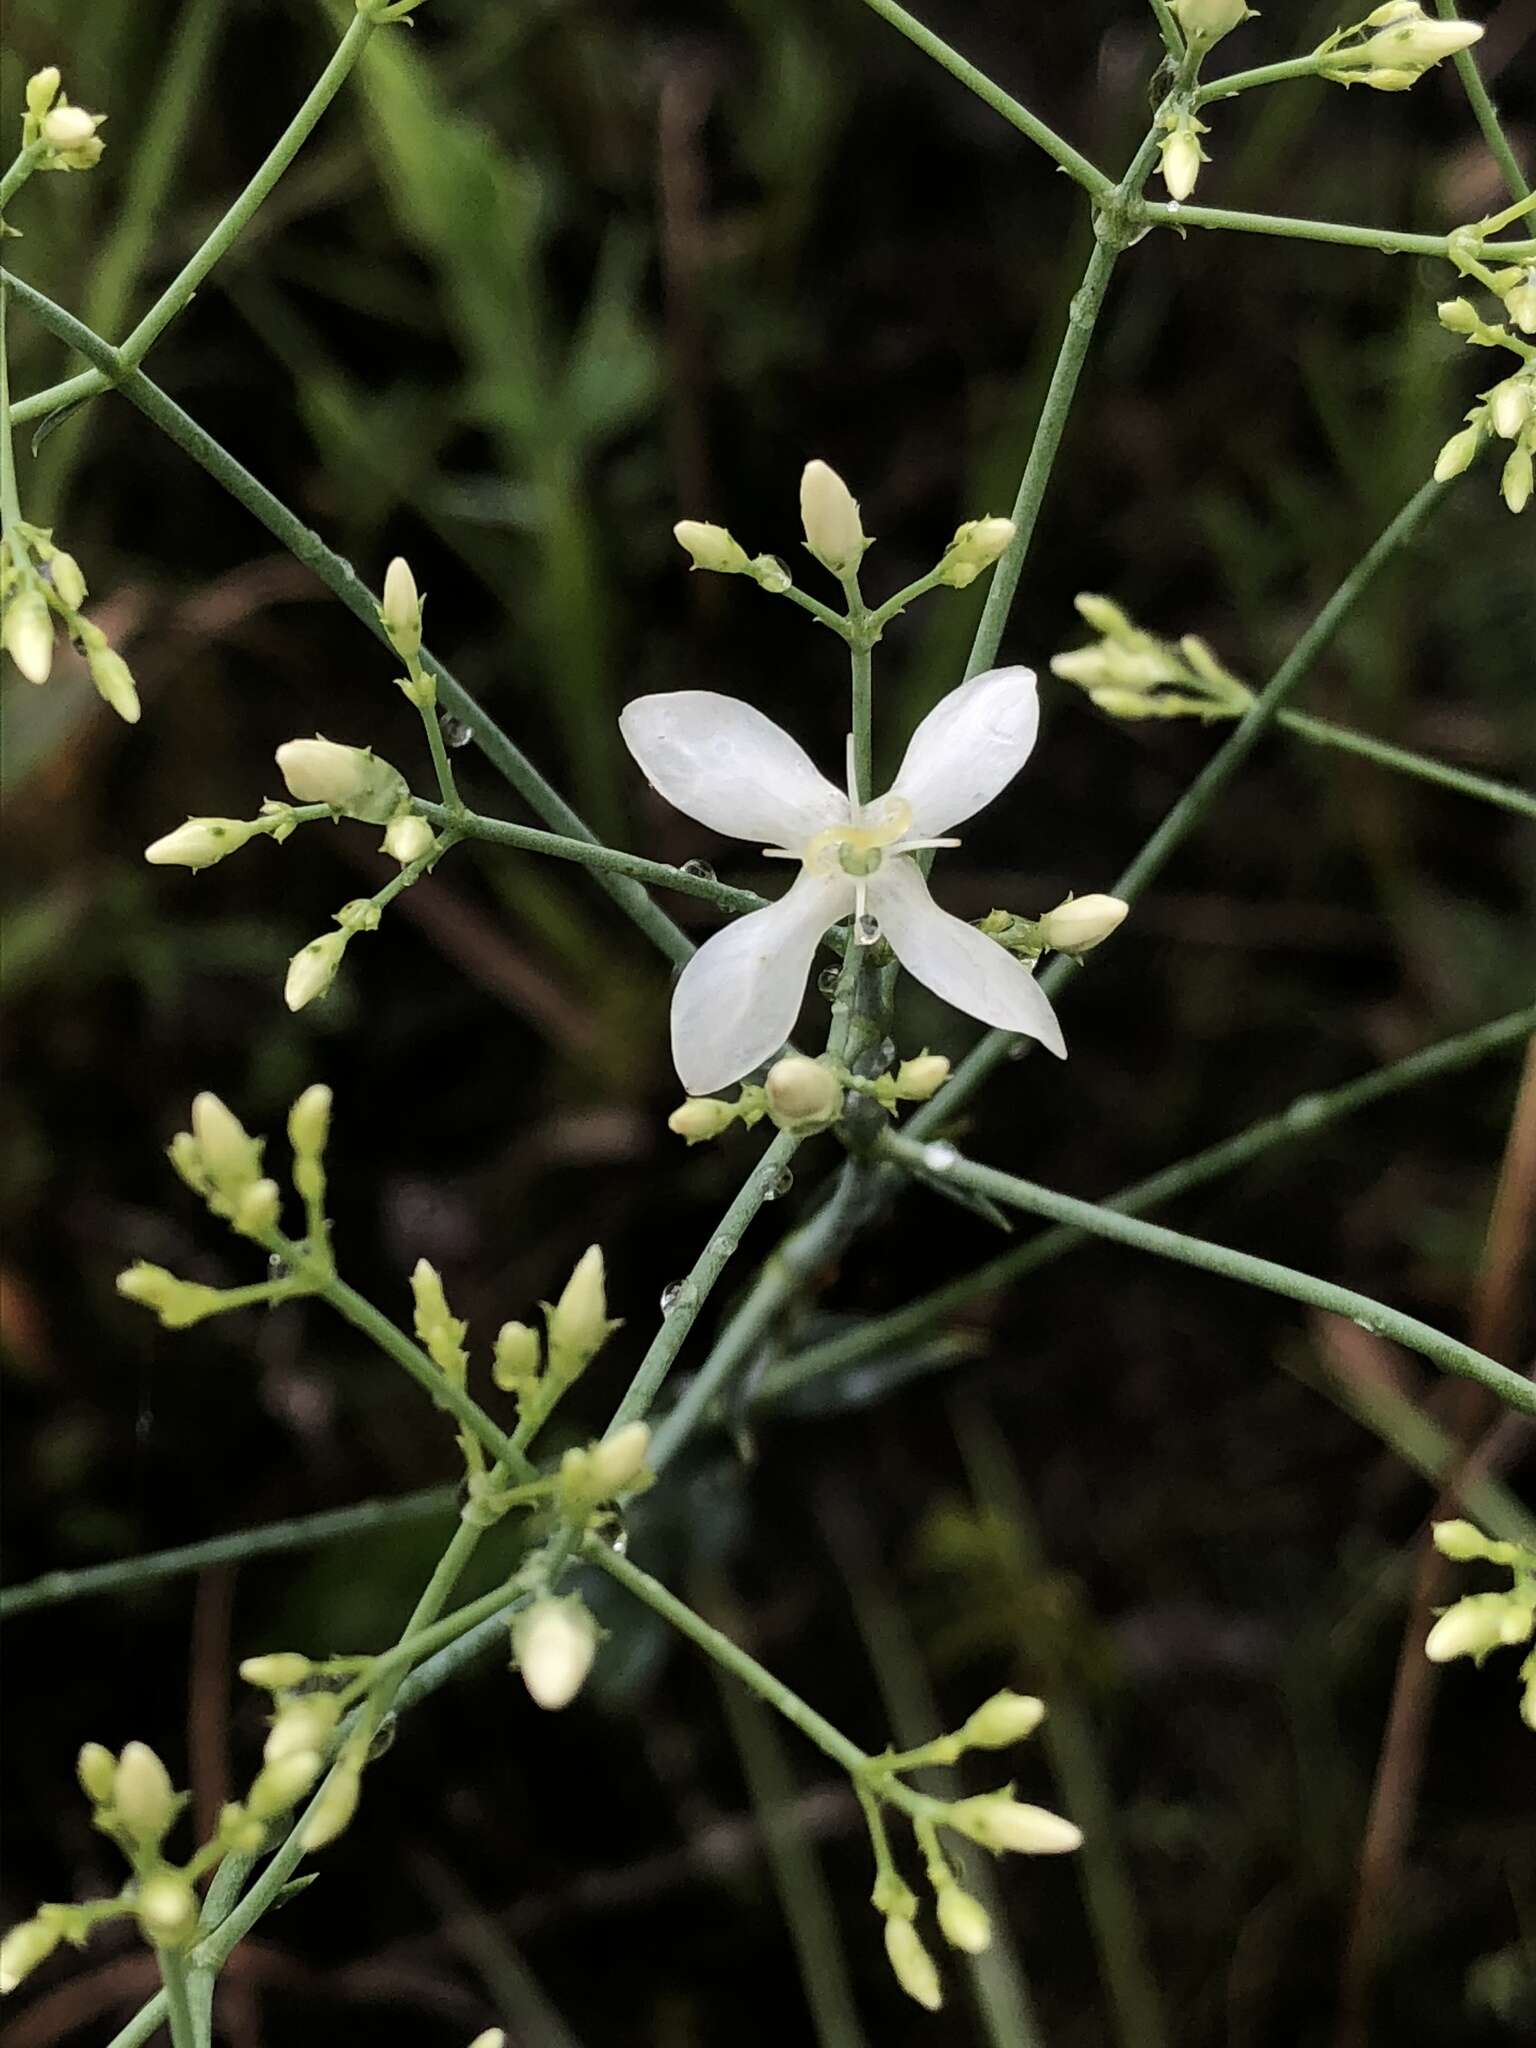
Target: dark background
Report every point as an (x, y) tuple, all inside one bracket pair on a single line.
[(547, 277)]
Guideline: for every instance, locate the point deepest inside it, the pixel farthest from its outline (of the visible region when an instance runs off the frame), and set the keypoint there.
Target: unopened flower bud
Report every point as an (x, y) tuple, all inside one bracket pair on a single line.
[(976, 546), (1474, 1626), (1082, 922), (1458, 316), (553, 1644), (166, 1906), (309, 1123), (1458, 454), (68, 579), (313, 968), (1006, 1718), (28, 1944), (1207, 21), (96, 1769), (401, 609), (178, 1303), (493, 2037), (963, 1921), (515, 1361), (616, 1461), (1519, 474), (407, 837), (335, 1806), (702, 1117), (277, 1671), (915, 1970), (302, 1724), (143, 1797), (239, 1830), (999, 1821), (1180, 161), (440, 1331), (352, 780), (42, 90), (1510, 406), (829, 514), (711, 547), (1520, 303), (114, 683), (230, 1156), (280, 1785), (802, 1094), (27, 634), (920, 1079), (1406, 44), (578, 1324), (66, 128), (199, 843)]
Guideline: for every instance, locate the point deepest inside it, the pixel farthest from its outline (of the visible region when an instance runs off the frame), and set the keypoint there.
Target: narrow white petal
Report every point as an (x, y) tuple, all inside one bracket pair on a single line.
[(969, 748), (958, 962), (737, 999), (724, 763)]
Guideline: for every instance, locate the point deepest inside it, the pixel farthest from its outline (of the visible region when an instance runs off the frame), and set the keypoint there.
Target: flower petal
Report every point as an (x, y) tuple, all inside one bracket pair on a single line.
[(958, 962), (737, 999), (724, 763), (969, 748)]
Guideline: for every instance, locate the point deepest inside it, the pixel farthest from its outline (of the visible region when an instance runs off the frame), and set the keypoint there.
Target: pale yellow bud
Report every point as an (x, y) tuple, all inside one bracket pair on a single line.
[(920, 1079), (1510, 406), (239, 1830), (829, 514), (303, 1724), (578, 1324), (963, 1921), (178, 1303), (711, 547), (352, 780), (999, 1821), (1516, 482), (114, 683), (30, 1943), (802, 1094), (230, 1156), (166, 1906), (915, 1970), (1082, 922), (1478, 1624), (68, 578), (42, 90), (1458, 316), (408, 837), (313, 968), (701, 1118), (199, 843), (617, 1460), (309, 1122), (515, 1361), (1207, 21), (1006, 1718), (401, 609), (277, 1671), (975, 547), (553, 1644), (1520, 303), (335, 1806), (96, 1769), (66, 128), (282, 1784), (258, 1209), (27, 634), (439, 1329), (142, 1795), (1180, 164), (1458, 454)]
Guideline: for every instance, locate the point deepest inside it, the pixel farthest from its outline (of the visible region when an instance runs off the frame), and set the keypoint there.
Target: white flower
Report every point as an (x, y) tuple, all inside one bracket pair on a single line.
[(726, 764)]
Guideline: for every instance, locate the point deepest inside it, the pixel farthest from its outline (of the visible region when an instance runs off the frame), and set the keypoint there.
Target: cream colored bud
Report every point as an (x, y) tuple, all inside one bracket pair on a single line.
[(335, 1806), (1458, 454), (1510, 406), (920, 1079), (1458, 316), (408, 837), (199, 843), (42, 90), (493, 2037), (1516, 482), (802, 1094), (1476, 1625), (309, 1122), (401, 609), (277, 1671), (1082, 922), (711, 547), (28, 1944), (282, 1784), (230, 1156), (68, 579), (114, 683), (27, 634), (303, 1724), (352, 780), (1180, 163), (96, 1769), (615, 1462), (999, 1821), (437, 1327), (1006, 1718), (258, 1209), (553, 1644), (1460, 1541), (238, 1830), (142, 1795), (166, 1906), (66, 128), (975, 547), (829, 514), (313, 968), (1207, 21), (578, 1324), (701, 1118), (915, 1970), (178, 1303), (515, 1361), (964, 1921), (1520, 303)]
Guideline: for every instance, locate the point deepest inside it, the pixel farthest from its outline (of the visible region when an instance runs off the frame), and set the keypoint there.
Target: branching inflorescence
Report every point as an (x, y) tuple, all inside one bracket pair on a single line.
[(861, 895)]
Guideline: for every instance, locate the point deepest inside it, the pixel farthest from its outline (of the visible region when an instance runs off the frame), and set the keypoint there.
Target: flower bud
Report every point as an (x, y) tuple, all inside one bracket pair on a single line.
[(802, 1094), (335, 1806), (493, 2037), (578, 1324), (27, 1945), (96, 1769), (1516, 481), (166, 1906), (1082, 922), (829, 514), (143, 1797), (1404, 47), (302, 1724), (309, 1123), (238, 1830), (1458, 316), (999, 1821), (407, 837), (66, 128), (352, 780), (1006, 1718), (515, 1361), (553, 1645), (1520, 303), (963, 1921), (915, 1970), (1181, 158), (282, 1784), (616, 1461), (976, 546), (711, 547), (114, 683), (277, 1671), (1474, 1626), (68, 579), (1207, 21), (401, 609), (199, 843), (313, 968), (1458, 454), (178, 1303), (27, 634), (42, 90), (1510, 406), (919, 1080), (230, 1156), (257, 1211), (701, 1117)]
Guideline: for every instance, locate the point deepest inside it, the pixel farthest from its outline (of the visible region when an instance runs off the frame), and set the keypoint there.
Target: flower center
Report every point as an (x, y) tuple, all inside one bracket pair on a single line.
[(858, 849)]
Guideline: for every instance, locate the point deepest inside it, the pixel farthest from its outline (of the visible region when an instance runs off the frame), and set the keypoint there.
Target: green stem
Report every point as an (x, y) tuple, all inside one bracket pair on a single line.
[(587, 853), (1484, 111), (724, 1240), (442, 767), (1264, 74), (173, 1974), (822, 613), (10, 497), (1076, 166), (1169, 30), (1386, 241), (1447, 1353), (861, 696), (1324, 733), (20, 169), (340, 579), (1305, 1117)]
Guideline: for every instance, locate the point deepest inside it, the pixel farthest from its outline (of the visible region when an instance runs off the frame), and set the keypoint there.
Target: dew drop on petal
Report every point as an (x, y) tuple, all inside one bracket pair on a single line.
[(939, 1157), (455, 732), (780, 1185), (827, 980), (867, 930), (699, 869)]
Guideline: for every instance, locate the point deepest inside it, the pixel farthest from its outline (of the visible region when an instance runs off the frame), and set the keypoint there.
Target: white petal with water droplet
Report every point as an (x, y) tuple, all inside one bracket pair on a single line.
[(969, 748), (727, 765)]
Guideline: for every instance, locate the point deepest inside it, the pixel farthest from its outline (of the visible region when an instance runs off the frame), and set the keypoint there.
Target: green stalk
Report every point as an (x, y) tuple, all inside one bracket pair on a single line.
[(1324, 733), (1484, 111), (1169, 30), (1448, 1353), (1385, 241), (861, 693), (10, 499), (19, 170), (173, 1974), (1263, 74)]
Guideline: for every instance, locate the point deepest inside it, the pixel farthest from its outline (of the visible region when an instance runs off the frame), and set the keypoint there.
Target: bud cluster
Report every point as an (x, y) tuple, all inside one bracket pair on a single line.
[(1131, 674), (37, 580), (64, 137), (1507, 410), (1393, 47), (1480, 1623)]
